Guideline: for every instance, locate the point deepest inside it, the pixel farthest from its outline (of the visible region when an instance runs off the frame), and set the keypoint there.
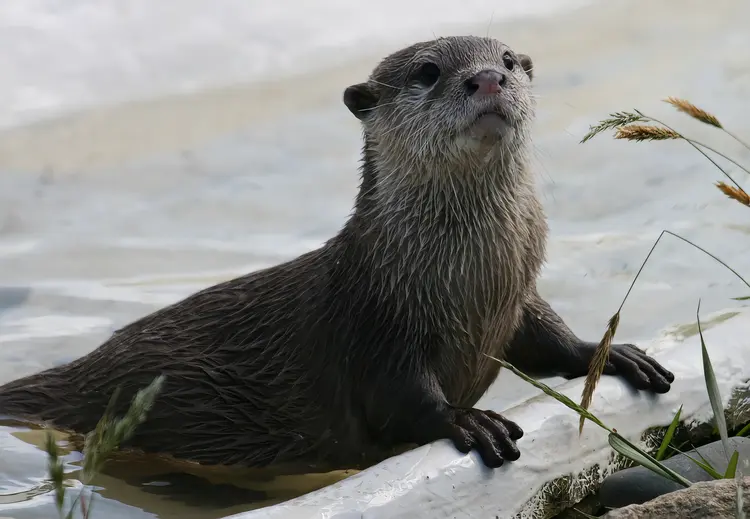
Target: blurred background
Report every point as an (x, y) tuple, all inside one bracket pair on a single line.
[(150, 149)]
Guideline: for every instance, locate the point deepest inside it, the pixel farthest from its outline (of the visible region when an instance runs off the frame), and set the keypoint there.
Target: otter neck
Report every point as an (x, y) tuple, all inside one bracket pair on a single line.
[(461, 240), (472, 191)]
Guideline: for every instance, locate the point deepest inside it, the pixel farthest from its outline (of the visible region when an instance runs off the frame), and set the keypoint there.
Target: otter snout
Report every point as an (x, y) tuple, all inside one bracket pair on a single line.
[(486, 82)]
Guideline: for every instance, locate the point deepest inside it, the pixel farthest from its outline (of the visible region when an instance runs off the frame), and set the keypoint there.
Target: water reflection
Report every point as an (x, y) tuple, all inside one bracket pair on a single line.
[(107, 216), (151, 487)]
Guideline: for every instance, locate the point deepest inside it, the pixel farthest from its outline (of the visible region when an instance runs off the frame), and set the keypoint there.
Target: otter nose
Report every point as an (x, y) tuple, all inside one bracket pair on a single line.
[(486, 82)]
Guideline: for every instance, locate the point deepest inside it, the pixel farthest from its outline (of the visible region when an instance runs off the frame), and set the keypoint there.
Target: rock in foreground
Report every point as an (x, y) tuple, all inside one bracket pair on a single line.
[(638, 485), (709, 499)]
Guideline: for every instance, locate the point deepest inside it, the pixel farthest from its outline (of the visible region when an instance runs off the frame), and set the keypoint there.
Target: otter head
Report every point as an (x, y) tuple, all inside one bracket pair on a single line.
[(451, 102)]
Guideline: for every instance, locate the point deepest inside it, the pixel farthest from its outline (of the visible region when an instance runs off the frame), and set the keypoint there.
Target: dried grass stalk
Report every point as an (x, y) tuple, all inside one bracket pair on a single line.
[(643, 132), (596, 367), (693, 111), (735, 193)]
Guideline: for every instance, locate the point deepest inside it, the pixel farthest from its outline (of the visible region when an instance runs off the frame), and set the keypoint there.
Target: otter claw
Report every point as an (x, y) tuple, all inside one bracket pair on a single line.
[(492, 435), (638, 369)]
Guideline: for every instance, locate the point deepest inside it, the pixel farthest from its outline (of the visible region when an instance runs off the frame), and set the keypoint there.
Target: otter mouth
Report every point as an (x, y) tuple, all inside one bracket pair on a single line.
[(491, 115), (489, 123)]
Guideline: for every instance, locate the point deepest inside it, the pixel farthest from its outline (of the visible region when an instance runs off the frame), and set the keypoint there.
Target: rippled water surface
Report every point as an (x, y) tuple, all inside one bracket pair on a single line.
[(118, 203)]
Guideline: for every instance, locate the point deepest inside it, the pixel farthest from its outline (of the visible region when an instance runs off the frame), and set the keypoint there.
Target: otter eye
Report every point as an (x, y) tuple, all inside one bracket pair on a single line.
[(428, 74), (508, 61)]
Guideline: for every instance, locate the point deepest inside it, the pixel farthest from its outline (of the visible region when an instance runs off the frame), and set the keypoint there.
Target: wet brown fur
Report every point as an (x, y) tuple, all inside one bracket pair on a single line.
[(336, 357)]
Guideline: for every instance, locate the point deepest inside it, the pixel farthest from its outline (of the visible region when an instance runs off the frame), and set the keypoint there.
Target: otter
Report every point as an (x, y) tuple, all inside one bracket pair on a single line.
[(380, 337)]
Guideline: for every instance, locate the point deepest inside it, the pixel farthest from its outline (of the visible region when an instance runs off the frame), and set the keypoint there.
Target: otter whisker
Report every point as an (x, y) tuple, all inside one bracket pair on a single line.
[(489, 25), (406, 122), (378, 106), (383, 84)]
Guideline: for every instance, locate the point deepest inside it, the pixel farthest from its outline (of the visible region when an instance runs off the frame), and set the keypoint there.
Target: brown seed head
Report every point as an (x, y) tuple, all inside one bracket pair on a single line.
[(642, 132), (733, 192), (596, 367), (693, 111)]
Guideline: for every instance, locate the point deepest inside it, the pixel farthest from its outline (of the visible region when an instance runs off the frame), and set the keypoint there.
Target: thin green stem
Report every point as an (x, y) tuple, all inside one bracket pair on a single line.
[(694, 146), (709, 148), (704, 251), (733, 136), (632, 283)]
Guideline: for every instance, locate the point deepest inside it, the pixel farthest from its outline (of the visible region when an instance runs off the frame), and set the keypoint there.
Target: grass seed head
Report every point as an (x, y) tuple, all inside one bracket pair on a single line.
[(644, 132), (735, 193), (693, 111), (596, 367)]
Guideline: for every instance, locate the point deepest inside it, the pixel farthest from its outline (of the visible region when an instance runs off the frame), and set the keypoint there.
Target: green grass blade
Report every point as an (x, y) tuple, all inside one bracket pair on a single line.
[(74, 504), (732, 467), (620, 444), (704, 464), (630, 451), (110, 433), (714, 396), (56, 471), (704, 460), (551, 392), (743, 298), (668, 436), (72, 510), (744, 430)]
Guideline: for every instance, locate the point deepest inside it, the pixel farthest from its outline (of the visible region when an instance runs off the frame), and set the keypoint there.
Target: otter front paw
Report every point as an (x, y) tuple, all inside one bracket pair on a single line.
[(627, 361), (638, 369), (492, 435)]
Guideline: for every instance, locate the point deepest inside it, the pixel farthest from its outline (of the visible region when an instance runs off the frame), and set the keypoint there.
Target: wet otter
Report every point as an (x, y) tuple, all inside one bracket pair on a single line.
[(378, 338)]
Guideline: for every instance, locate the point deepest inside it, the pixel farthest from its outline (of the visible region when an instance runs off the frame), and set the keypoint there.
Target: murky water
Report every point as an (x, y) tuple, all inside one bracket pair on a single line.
[(114, 211)]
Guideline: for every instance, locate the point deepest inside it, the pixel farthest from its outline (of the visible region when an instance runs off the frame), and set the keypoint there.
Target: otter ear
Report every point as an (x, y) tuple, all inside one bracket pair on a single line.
[(527, 65), (360, 99)]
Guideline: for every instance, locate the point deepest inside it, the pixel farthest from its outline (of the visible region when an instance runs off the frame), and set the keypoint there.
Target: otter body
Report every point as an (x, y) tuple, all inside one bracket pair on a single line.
[(380, 337)]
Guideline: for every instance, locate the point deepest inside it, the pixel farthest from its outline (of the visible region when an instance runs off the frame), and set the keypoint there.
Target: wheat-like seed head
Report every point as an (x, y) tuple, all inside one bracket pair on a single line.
[(643, 132), (693, 111), (614, 120), (596, 366), (733, 192)]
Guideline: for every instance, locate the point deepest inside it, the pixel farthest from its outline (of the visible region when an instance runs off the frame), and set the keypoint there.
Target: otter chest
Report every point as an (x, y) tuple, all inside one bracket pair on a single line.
[(463, 273), (465, 288), (482, 277), (486, 297)]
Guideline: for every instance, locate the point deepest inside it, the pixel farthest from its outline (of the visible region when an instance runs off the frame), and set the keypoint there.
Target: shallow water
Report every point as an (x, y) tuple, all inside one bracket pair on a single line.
[(125, 206)]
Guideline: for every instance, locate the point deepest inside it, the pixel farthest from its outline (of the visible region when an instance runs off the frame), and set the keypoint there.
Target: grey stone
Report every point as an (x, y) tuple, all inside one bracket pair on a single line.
[(637, 485), (715, 499)]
